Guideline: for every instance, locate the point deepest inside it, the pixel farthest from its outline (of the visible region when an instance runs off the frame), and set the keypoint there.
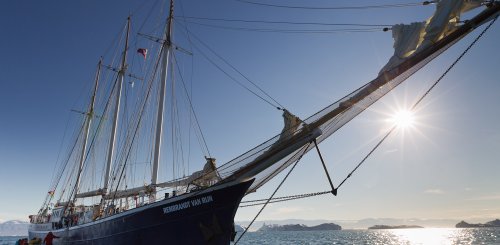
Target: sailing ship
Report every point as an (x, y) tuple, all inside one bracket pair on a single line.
[(199, 208)]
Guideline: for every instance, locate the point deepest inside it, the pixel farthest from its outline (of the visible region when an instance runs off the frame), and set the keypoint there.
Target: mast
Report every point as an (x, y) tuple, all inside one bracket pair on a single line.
[(121, 76), (159, 115), (88, 122)]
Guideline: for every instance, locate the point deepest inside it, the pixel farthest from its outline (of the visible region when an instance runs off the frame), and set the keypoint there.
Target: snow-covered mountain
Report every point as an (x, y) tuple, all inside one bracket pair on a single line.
[(14, 228)]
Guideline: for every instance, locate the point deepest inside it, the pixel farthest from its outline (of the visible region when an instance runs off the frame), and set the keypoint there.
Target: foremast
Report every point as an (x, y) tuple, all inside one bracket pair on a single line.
[(87, 124)]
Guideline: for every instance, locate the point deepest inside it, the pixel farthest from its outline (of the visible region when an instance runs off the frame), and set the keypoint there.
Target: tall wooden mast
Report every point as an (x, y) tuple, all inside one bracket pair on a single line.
[(121, 76), (88, 123), (166, 49)]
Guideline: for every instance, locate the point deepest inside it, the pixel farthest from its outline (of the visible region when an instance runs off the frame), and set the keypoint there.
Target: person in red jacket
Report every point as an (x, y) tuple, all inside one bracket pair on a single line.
[(48, 239)]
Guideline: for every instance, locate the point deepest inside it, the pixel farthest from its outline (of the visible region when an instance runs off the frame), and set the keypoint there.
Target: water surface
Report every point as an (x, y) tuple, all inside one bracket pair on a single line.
[(440, 236)]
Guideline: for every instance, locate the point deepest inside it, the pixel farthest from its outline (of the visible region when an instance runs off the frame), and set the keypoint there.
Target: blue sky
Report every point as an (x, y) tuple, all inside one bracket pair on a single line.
[(445, 167)]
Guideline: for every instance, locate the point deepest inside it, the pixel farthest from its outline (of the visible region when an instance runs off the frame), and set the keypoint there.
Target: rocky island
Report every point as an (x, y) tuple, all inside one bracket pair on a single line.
[(300, 227), (238, 228), (377, 227), (463, 224)]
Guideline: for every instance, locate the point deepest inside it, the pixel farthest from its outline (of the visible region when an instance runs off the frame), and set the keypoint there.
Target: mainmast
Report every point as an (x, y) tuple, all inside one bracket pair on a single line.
[(121, 76), (86, 131), (166, 48)]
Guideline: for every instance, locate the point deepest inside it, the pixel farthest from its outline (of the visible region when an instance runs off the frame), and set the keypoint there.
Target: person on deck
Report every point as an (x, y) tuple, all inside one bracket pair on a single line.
[(35, 241), (48, 239)]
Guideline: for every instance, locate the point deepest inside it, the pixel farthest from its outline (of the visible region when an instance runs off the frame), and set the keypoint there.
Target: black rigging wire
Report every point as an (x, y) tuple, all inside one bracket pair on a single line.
[(191, 105), (276, 105), (276, 190), (284, 22), (283, 199), (292, 31), (382, 6), (60, 174), (191, 81)]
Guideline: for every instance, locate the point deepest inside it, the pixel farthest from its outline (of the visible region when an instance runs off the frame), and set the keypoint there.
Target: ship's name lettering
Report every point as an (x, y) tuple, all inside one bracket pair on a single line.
[(188, 204)]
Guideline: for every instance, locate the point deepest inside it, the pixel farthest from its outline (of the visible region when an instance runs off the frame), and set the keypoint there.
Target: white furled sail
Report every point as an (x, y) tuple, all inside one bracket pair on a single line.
[(291, 122), (205, 177), (446, 19), (414, 37), (406, 40)]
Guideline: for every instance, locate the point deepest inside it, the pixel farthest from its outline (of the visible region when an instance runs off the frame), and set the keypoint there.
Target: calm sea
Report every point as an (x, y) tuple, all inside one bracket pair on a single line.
[(8, 240), (382, 237), (400, 236)]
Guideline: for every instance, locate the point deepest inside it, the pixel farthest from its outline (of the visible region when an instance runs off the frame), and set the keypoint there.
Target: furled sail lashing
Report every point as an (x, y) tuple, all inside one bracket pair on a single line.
[(410, 38)]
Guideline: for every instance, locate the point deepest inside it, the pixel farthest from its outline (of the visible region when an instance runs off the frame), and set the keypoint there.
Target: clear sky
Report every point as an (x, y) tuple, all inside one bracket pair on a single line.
[(445, 166)]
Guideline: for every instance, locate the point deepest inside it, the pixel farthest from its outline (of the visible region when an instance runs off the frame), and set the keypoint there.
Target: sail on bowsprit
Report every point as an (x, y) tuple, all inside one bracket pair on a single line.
[(417, 36), (333, 117), (203, 204)]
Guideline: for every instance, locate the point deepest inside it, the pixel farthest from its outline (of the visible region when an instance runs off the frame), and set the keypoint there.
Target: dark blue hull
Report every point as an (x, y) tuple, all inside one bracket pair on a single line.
[(204, 217)]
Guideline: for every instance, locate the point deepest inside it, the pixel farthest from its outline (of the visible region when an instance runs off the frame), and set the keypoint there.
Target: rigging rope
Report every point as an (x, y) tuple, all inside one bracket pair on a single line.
[(283, 198), (285, 22), (292, 31), (190, 94), (276, 104), (191, 106), (383, 6), (276, 190)]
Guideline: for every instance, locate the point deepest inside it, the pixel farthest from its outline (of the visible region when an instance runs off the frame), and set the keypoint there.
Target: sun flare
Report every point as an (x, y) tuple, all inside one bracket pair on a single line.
[(403, 119)]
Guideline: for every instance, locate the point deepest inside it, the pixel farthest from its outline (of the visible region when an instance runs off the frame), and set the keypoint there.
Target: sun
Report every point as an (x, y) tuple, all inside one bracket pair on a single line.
[(403, 119)]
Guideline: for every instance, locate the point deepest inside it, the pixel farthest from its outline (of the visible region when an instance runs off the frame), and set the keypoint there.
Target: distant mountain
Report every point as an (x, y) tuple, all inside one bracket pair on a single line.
[(365, 223), (14, 228), (300, 227), (463, 224), (495, 223), (377, 227), (358, 224), (238, 228)]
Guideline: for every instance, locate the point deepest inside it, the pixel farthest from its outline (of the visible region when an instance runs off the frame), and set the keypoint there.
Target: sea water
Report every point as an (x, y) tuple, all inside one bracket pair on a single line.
[(424, 236), (8, 240)]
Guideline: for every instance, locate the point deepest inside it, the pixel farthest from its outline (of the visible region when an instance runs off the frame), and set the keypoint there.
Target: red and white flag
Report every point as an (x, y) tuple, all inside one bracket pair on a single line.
[(143, 51)]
